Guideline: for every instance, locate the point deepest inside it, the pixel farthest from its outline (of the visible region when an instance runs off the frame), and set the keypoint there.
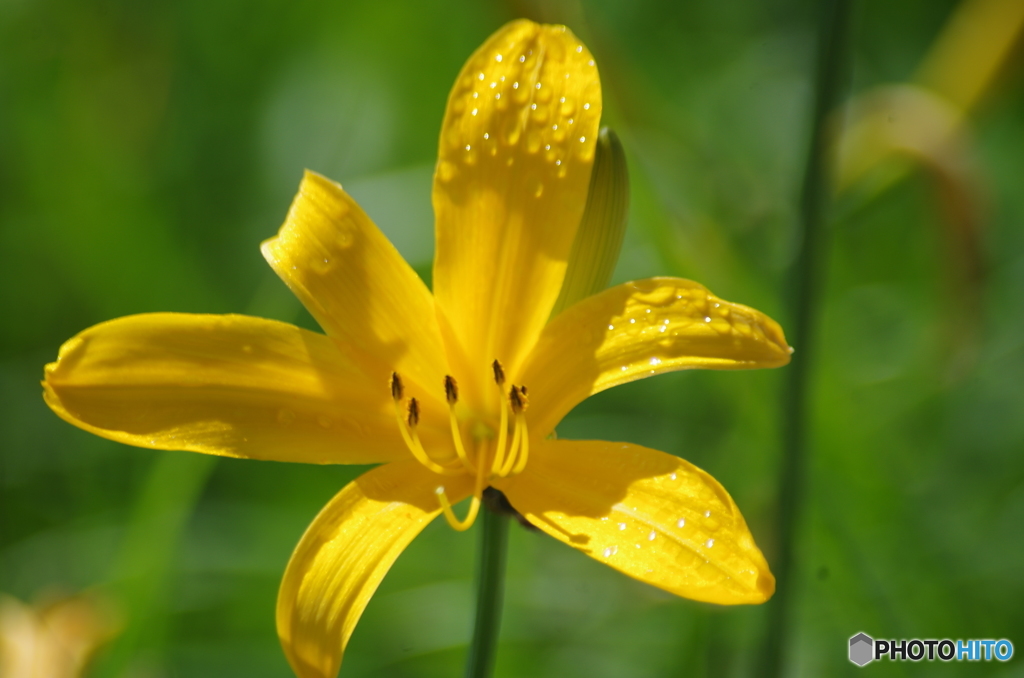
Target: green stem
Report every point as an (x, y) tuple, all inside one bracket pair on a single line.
[(807, 282), (490, 587)]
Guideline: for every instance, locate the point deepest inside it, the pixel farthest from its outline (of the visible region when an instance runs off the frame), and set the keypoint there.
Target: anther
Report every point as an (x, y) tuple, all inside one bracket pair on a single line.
[(451, 390), (396, 386), (414, 413), (499, 372), (517, 399)]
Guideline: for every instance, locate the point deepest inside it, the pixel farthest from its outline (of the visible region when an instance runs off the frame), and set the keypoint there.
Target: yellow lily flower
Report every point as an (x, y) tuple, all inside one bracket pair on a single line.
[(452, 392)]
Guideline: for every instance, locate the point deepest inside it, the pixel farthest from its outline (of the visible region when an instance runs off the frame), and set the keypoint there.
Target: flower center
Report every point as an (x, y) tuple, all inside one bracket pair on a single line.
[(482, 461)]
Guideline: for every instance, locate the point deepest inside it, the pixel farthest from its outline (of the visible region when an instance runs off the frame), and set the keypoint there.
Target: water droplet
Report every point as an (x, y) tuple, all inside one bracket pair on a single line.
[(586, 107), (538, 85), (324, 421), (468, 147), (623, 368), (475, 111), (638, 545), (611, 327), (498, 58), (707, 514), (533, 107), (710, 543), (515, 85), (590, 63), (652, 535), (583, 140), (655, 361), (476, 95), (707, 319), (285, 416), (558, 162), (522, 58), (579, 48), (611, 551), (681, 522), (486, 135), (632, 321), (673, 476), (622, 526), (481, 76)]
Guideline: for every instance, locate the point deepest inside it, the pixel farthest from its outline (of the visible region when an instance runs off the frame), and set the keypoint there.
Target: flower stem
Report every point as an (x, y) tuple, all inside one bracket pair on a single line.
[(490, 587), (808, 276)]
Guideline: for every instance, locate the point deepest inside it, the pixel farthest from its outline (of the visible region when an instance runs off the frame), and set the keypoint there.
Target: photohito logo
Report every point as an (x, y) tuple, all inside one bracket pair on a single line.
[(865, 649)]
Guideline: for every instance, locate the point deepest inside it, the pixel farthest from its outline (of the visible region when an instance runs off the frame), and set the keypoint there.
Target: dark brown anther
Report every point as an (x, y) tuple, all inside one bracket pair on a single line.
[(396, 386), (517, 400), (414, 413), (523, 389), (451, 390), (499, 372)]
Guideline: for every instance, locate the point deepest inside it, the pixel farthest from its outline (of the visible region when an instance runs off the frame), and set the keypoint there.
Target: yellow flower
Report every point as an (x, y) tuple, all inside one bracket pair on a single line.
[(454, 391)]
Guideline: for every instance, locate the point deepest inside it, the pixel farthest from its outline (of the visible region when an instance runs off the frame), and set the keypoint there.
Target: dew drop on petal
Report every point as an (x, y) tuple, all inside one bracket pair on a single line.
[(710, 543), (652, 535), (622, 526), (681, 522), (611, 551), (707, 514)]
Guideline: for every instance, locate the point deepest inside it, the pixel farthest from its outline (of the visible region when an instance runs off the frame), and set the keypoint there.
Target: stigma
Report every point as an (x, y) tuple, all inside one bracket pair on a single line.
[(484, 461)]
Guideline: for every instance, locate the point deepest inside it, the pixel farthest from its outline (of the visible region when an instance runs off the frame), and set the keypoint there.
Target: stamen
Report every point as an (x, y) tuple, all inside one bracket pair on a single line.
[(524, 447), (517, 399), (513, 450), (499, 372), (521, 432), (451, 393), (407, 427), (451, 390), (499, 451), (396, 386)]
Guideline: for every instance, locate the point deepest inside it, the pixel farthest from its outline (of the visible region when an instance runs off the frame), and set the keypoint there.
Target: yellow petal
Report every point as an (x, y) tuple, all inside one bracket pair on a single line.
[(345, 554), (653, 516), (639, 329), (516, 151), (358, 287), (228, 385)]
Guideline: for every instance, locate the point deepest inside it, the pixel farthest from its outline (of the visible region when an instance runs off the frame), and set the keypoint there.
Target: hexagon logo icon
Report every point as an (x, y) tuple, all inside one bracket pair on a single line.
[(861, 649)]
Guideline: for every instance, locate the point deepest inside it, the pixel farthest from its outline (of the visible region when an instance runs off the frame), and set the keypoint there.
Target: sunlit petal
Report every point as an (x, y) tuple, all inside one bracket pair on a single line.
[(639, 329), (224, 384), (345, 554), (358, 287), (514, 166), (648, 514)]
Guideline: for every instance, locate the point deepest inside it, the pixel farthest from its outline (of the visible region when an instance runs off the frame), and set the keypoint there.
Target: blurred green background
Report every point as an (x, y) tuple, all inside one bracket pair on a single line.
[(147, 148)]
